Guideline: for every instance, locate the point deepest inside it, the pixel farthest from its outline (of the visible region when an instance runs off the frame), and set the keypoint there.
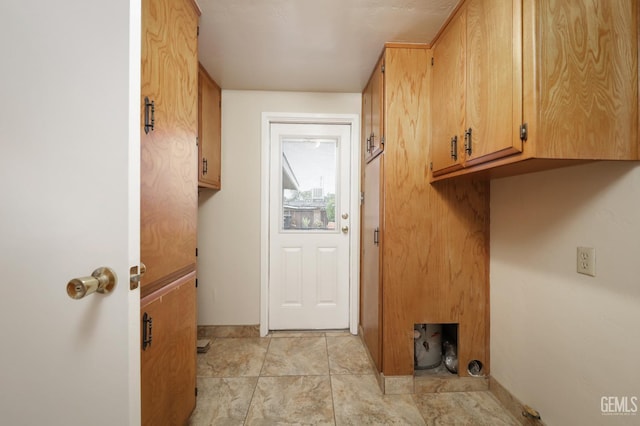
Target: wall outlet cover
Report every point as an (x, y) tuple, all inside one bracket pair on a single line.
[(586, 261)]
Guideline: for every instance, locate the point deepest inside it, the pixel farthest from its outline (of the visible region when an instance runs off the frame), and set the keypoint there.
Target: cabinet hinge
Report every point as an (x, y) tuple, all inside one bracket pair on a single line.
[(197, 141), (524, 132), (361, 197), (382, 68), (432, 61)]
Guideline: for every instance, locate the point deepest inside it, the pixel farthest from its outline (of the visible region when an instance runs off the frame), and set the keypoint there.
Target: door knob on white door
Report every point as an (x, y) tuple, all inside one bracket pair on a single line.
[(102, 280), (345, 229)]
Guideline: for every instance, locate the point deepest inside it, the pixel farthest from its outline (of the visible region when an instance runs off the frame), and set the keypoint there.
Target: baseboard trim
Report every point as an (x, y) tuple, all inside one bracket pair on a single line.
[(511, 403), (379, 376), (212, 331)]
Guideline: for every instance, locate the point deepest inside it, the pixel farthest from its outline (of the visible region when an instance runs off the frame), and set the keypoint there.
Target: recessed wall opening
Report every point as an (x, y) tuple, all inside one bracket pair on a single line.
[(435, 349)]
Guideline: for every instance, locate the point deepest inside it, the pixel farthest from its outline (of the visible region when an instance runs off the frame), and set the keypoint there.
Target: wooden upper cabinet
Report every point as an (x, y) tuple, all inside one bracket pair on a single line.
[(476, 86), (581, 79), (448, 96), (548, 83), (373, 113), (168, 186), (493, 84), (209, 131)]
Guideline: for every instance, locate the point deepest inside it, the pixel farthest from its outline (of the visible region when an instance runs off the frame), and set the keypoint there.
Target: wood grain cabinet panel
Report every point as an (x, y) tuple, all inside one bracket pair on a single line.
[(493, 83), (477, 101), (168, 208), (448, 90), (168, 373), (371, 285), (209, 131), (169, 190), (431, 264), (548, 83), (581, 79), (372, 113)]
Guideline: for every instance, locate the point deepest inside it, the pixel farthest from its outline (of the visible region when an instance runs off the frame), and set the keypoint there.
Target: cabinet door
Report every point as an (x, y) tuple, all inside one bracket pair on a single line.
[(373, 113), (583, 101), (371, 288), (448, 97), (366, 122), (209, 131), (377, 109), (169, 190), (494, 89), (168, 364)]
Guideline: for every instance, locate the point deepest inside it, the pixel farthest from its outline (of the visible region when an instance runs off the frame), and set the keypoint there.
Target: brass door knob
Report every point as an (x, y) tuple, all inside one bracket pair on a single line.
[(345, 229), (102, 280)]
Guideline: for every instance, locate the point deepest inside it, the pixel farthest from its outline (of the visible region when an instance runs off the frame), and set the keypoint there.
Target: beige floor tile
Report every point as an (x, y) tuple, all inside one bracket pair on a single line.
[(292, 400), (347, 355), (222, 401), (233, 357), (463, 408), (296, 357), (358, 401)]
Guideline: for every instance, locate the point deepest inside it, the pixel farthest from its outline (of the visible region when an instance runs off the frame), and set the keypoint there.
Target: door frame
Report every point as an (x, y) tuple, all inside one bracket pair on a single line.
[(354, 177)]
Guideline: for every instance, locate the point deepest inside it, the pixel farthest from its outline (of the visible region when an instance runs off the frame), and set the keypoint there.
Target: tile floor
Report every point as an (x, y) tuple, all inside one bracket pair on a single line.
[(318, 378)]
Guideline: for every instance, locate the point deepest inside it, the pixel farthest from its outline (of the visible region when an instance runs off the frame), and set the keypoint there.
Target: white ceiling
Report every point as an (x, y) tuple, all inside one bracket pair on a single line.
[(308, 45)]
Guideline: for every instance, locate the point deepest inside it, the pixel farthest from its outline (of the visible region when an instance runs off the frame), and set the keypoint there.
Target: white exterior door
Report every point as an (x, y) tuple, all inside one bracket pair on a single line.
[(69, 138), (309, 218)]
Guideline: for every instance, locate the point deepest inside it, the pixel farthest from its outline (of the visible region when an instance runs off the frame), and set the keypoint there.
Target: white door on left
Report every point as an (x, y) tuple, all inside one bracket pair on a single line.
[(69, 203)]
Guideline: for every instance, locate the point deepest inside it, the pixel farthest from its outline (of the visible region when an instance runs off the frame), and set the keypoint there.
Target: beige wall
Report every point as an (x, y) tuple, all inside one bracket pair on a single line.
[(559, 340), (229, 220)]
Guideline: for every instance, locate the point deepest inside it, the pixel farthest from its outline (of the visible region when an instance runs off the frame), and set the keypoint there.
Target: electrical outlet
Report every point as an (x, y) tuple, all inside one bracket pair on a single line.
[(586, 261)]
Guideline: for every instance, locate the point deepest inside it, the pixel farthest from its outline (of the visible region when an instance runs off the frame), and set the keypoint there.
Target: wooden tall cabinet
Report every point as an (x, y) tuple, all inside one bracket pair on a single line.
[(169, 77), (209, 130), (425, 246), (546, 83)]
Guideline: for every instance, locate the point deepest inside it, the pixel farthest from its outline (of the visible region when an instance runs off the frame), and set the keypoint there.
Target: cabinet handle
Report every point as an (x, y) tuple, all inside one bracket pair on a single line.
[(372, 139), (149, 115), (454, 148), (467, 141), (147, 325), (376, 236), (205, 166), (369, 144)]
